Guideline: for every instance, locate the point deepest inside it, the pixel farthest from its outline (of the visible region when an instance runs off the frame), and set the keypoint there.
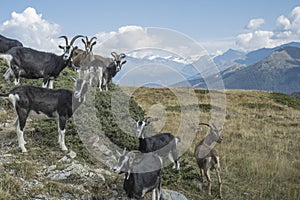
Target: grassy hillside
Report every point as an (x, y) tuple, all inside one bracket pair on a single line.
[(260, 155)]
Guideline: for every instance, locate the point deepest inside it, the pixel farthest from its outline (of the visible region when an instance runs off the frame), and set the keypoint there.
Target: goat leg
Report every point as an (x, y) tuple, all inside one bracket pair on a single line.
[(207, 175)]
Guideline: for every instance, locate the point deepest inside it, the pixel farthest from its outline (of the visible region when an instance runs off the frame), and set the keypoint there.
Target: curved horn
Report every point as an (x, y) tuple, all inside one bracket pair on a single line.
[(93, 38), (206, 125), (114, 54), (65, 37), (214, 126), (147, 119), (74, 38), (122, 55), (85, 42)]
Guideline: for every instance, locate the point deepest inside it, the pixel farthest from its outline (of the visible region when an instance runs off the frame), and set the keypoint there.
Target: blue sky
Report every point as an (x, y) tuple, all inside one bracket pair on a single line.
[(217, 25)]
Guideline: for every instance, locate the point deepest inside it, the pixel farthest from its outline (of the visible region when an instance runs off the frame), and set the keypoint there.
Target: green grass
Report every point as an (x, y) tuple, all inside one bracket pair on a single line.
[(286, 100), (261, 106), (259, 156)]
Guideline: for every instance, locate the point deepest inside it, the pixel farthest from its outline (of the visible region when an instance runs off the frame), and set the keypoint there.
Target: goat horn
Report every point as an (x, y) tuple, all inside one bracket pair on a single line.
[(93, 38), (85, 41), (147, 119), (66, 39), (124, 151), (74, 38), (114, 54), (132, 153), (214, 126), (206, 125), (122, 55)]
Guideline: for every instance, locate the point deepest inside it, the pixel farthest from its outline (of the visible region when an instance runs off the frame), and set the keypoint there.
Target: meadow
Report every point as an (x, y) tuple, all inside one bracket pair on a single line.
[(259, 155)]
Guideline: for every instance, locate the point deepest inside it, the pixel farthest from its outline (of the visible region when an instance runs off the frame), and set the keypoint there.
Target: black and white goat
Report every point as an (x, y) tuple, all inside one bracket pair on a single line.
[(7, 43), (107, 68), (59, 104), (207, 157), (32, 64), (140, 177), (164, 144)]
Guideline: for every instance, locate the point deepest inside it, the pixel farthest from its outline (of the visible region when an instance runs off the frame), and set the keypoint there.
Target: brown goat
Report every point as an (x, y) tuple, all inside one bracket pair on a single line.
[(207, 158)]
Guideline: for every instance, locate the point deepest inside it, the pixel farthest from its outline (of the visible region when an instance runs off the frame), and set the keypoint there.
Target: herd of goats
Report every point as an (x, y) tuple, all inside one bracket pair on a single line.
[(141, 176)]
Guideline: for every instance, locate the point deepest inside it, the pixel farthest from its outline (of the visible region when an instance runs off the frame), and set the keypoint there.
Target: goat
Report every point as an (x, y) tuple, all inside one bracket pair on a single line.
[(111, 71), (142, 177), (106, 68), (7, 43), (81, 60), (164, 143), (29, 63), (207, 158), (59, 104), (79, 57)]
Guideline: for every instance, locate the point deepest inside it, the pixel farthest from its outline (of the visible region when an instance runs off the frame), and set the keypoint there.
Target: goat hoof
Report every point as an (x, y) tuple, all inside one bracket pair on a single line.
[(24, 150), (64, 149)]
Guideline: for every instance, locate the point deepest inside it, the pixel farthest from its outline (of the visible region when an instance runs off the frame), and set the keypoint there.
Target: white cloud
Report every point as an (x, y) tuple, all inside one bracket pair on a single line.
[(255, 23), (287, 29), (256, 39), (132, 38), (283, 23), (295, 20), (32, 30)]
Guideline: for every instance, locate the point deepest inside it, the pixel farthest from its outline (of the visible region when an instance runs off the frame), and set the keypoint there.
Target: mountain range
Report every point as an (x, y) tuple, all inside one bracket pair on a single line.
[(270, 69)]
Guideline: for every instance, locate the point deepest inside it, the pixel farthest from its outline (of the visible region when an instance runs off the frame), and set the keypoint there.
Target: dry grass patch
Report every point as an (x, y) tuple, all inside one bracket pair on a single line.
[(260, 153)]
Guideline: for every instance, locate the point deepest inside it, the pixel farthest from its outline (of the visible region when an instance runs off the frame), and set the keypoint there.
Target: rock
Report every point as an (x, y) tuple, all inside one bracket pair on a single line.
[(73, 168), (72, 154), (68, 158), (40, 197), (65, 159), (172, 195)]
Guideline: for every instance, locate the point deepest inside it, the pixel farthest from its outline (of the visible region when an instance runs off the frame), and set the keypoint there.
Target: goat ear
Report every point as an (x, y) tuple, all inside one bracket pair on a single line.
[(61, 47), (93, 43), (83, 41), (124, 62)]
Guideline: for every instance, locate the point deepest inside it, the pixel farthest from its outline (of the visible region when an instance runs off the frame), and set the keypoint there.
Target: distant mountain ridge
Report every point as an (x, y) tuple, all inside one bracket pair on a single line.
[(279, 71), (271, 69), (233, 57)]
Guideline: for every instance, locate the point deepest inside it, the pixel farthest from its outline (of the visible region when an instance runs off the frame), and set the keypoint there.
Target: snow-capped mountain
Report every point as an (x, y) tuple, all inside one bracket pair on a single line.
[(162, 69), (279, 71)]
